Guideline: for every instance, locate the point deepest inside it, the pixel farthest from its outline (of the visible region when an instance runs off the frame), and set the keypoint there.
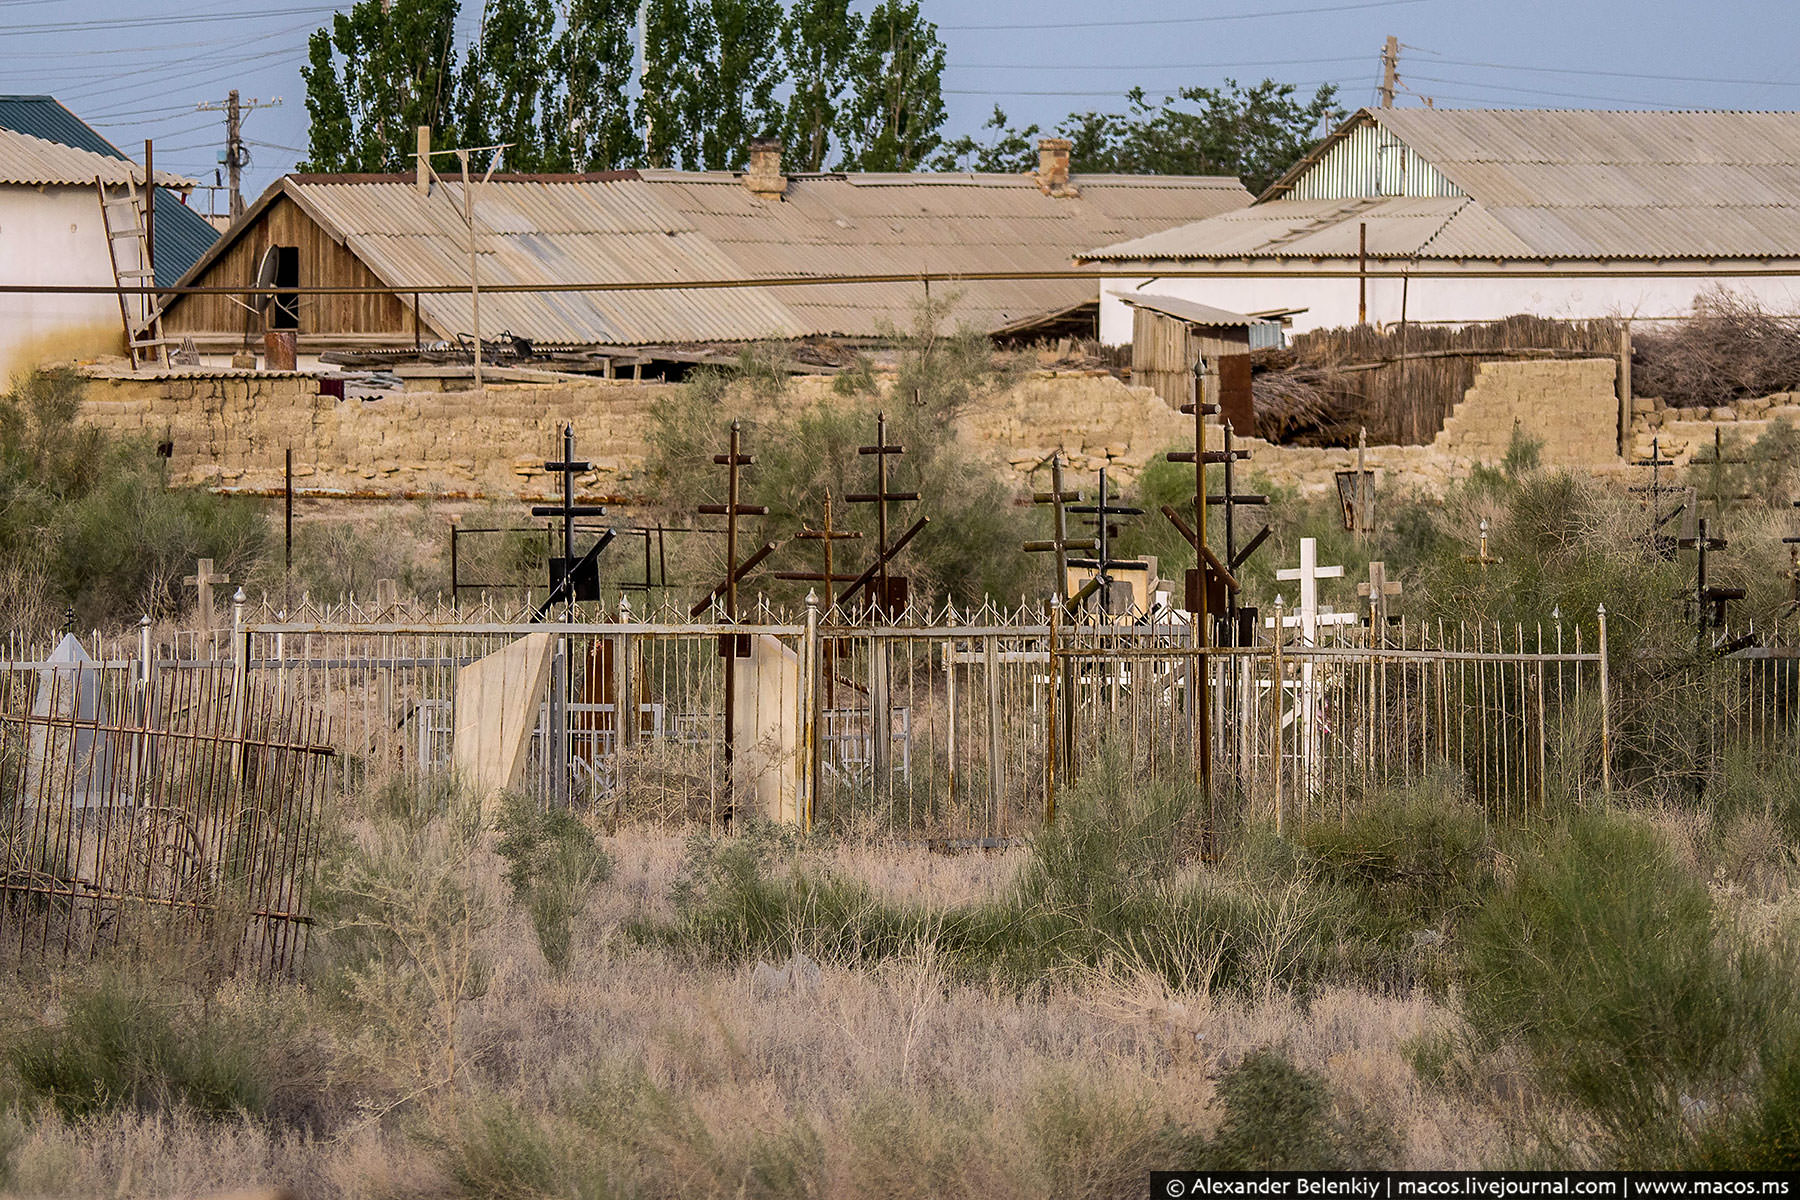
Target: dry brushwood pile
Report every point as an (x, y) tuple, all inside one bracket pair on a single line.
[(1730, 349)]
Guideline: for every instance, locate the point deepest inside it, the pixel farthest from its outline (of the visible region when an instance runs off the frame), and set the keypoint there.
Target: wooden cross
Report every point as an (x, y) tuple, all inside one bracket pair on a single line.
[(734, 460), (1378, 591), (202, 581), (825, 535), (1060, 543), (1309, 572), (889, 591)]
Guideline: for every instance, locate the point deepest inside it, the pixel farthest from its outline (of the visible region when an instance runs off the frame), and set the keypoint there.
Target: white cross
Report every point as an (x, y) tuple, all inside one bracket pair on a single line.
[(1309, 572)]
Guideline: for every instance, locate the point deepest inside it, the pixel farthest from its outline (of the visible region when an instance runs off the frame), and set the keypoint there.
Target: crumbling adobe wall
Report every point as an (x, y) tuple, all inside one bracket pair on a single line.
[(1571, 406), (229, 430)]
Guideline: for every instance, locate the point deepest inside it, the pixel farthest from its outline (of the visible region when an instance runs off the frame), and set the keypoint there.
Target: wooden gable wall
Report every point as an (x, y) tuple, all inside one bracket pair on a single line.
[(323, 263)]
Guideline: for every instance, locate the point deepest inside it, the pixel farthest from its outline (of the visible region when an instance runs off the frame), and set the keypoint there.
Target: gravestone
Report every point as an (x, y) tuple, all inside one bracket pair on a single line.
[(766, 731), (497, 703)]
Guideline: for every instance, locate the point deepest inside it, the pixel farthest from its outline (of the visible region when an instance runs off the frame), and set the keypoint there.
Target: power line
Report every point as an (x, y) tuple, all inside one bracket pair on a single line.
[(189, 19), (1249, 16), (1206, 66), (1118, 93), (1464, 62)]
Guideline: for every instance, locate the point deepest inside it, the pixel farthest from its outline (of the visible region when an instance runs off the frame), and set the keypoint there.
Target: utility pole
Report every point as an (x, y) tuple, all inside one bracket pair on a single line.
[(428, 172), (1390, 70), (236, 157)]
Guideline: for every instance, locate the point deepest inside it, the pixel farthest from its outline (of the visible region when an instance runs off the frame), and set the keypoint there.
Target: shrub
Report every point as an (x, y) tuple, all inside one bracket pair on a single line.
[(1279, 1117), (1603, 962), (133, 1041), (553, 863), (1411, 865), (92, 517)]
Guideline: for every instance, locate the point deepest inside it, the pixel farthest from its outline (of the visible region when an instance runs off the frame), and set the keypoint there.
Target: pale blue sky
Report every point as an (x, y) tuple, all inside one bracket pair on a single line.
[(137, 68)]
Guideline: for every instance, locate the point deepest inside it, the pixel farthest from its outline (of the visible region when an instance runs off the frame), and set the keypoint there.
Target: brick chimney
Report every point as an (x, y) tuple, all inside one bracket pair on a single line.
[(1053, 167), (764, 178)]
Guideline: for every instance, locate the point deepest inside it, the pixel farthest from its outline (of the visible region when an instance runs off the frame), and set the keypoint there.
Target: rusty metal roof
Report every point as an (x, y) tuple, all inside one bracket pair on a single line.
[(37, 162), (1537, 184), (654, 225)]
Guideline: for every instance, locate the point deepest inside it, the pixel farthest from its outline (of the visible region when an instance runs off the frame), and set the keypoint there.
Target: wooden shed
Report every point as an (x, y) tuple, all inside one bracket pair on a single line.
[(1170, 335)]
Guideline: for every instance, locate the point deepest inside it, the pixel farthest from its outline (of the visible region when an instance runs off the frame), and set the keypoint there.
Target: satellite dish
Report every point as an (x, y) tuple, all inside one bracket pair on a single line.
[(265, 278)]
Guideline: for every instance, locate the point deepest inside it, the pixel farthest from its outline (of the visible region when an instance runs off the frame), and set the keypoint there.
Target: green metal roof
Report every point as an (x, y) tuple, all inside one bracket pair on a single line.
[(182, 235)]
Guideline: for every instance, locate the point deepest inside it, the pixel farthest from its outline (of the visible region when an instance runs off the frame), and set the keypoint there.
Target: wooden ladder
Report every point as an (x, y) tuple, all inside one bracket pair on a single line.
[(141, 312)]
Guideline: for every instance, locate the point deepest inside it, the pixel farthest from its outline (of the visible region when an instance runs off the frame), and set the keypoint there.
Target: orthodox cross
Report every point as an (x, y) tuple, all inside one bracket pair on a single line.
[(1378, 591), (202, 581), (1708, 600), (1481, 556), (1100, 513), (572, 579), (1060, 543), (734, 460), (1225, 572), (825, 535), (1660, 543), (889, 591)]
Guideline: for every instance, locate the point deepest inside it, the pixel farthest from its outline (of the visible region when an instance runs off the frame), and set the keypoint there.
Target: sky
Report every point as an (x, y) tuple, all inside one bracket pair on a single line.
[(139, 68)]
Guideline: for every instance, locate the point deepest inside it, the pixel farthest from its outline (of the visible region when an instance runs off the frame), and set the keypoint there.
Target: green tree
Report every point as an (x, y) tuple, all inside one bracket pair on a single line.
[(896, 117), (588, 123), (505, 79), (709, 82), (1254, 133), (740, 77), (818, 46), (383, 69), (667, 105), (1006, 151)]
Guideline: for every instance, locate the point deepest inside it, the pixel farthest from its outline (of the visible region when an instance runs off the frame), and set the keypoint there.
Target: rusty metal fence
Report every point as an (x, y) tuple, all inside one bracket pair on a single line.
[(968, 724), (140, 801)]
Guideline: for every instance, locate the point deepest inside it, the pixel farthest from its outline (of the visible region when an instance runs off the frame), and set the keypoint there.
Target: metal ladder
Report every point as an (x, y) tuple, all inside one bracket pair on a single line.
[(141, 312)]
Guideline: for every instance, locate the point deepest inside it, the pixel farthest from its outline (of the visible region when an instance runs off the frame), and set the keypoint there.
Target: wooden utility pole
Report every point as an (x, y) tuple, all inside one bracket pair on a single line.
[(235, 156), (1390, 70)]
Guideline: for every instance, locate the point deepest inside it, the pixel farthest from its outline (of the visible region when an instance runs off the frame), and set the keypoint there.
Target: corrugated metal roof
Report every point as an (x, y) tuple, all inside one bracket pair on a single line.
[(35, 161), (182, 235), (707, 225), (1542, 184)]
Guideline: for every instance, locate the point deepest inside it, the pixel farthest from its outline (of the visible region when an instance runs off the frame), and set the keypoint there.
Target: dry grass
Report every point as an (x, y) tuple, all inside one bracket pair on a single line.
[(858, 1077)]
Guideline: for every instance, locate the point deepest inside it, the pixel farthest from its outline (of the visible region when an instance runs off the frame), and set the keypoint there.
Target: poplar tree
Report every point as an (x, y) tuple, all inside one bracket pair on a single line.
[(506, 78), (896, 117), (818, 46), (380, 71), (588, 123)]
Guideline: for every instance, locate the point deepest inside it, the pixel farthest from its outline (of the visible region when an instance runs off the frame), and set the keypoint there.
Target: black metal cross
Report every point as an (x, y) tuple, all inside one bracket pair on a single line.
[(1060, 543), (1793, 574), (572, 579), (1709, 601), (1100, 513), (890, 592), (1660, 543), (1238, 628)]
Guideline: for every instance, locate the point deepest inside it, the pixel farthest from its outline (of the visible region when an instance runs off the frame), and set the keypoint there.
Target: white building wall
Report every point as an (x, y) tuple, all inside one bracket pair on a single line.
[(1332, 303), (54, 235)]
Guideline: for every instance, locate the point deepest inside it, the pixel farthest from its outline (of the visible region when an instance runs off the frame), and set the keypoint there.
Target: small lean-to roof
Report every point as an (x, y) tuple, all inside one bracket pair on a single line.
[(675, 225), (1202, 316), (182, 235), (1535, 184)]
